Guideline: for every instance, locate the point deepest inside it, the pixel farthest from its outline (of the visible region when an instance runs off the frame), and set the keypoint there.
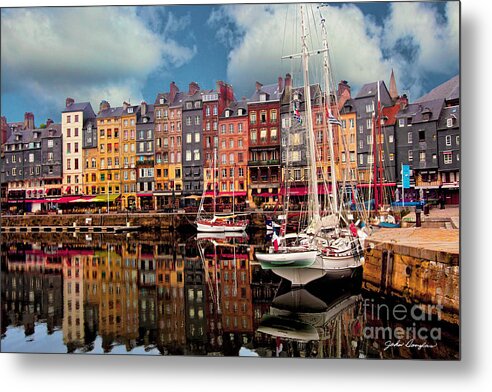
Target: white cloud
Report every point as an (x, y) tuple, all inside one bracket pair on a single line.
[(434, 41), (362, 51), (89, 53)]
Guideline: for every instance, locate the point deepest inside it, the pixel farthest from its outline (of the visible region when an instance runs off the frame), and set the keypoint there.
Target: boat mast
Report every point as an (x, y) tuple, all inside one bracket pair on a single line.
[(313, 202), (213, 180), (375, 160), (381, 142), (326, 68)]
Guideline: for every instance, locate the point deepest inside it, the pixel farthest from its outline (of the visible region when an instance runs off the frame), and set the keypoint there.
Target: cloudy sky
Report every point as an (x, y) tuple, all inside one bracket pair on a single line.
[(133, 52)]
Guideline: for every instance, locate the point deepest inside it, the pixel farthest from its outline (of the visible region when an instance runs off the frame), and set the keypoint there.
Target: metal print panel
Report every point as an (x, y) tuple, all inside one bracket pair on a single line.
[(261, 180)]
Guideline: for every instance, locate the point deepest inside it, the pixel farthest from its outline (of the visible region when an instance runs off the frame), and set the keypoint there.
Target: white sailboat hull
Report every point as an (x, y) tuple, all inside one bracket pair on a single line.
[(339, 267), (290, 260), (220, 228)]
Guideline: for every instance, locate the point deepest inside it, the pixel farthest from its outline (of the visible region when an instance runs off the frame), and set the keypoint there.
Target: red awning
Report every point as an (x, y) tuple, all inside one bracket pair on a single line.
[(65, 199), (372, 185), (144, 194), (230, 194), (303, 190)]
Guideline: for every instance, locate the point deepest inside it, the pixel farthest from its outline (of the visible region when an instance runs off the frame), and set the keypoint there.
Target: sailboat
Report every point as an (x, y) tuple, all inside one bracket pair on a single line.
[(218, 223), (338, 251)]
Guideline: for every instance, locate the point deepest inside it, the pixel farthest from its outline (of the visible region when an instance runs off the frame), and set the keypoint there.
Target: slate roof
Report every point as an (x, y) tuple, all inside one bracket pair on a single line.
[(348, 107), (370, 89), (111, 112), (159, 96), (271, 90), (234, 107), (435, 106), (27, 136), (449, 90), (149, 114), (446, 113), (178, 99), (84, 107), (409, 111)]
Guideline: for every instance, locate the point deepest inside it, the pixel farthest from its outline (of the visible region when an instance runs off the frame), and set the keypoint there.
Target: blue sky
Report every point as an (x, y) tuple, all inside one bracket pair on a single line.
[(132, 53)]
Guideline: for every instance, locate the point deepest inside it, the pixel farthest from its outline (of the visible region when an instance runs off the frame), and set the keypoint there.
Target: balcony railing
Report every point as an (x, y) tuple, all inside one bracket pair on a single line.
[(267, 162)]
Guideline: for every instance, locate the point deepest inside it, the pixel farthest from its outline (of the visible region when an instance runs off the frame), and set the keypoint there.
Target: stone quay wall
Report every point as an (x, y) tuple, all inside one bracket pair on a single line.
[(417, 265)]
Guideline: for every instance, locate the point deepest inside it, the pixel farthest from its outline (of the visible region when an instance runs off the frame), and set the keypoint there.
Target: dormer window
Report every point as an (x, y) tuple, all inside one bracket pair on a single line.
[(426, 114), (161, 101), (296, 96), (145, 119), (130, 110), (227, 113), (262, 97), (240, 112)]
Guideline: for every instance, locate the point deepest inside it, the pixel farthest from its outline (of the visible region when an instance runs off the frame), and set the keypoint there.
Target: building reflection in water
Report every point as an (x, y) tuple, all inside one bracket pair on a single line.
[(204, 295)]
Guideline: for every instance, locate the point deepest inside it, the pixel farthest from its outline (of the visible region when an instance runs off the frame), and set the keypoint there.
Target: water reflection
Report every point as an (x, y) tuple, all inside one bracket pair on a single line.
[(173, 295)]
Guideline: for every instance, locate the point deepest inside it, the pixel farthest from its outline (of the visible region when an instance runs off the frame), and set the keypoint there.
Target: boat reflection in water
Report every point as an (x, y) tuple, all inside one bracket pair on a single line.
[(317, 320), (163, 294)]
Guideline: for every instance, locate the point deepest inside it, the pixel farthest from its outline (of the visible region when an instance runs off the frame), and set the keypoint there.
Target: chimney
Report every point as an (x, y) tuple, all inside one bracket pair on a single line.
[(28, 120), (49, 122), (193, 88), (258, 86), (280, 84), (104, 105), (403, 101), (288, 80), (69, 102), (143, 108), (173, 90), (342, 87)]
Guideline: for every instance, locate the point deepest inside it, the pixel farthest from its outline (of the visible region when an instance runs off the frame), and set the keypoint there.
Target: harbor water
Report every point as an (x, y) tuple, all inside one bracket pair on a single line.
[(176, 293)]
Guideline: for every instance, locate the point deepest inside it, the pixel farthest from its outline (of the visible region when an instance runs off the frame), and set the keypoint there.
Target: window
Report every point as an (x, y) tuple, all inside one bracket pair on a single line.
[(449, 122), (69, 164), (188, 138), (410, 138), (231, 158), (421, 136), (448, 157), (369, 123), (448, 140), (196, 155), (223, 129), (69, 119), (390, 139), (254, 136), (76, 132), (361, 144), (76, 147), (401, 122), (69, 148), (273, 134), (369, 139), (352, 123), (422, 156), (252, 117), (197, 137), (370, 107), (263, 135), (458, 140), (391, 157), (50, 143), (410, 155), (273, 115), (31, 157), (50, 156)]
